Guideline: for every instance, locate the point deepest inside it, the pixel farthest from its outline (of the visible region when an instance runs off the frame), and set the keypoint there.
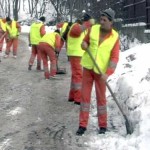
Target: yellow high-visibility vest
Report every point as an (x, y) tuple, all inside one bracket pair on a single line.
[(63, 28), (74, 44), (49, 38), (35, 35), (101, 53), (3, 25), (13, 31)]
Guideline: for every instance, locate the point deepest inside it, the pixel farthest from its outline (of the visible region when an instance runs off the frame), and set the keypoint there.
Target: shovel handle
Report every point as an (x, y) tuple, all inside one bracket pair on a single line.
[(127, 123)]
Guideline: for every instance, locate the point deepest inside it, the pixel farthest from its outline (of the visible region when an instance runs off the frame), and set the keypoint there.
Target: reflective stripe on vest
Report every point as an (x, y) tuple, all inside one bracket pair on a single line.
[(74, 45), (102, 52), (13, 31), (63, 28), (49, 38), (35, 35), (2, 25)]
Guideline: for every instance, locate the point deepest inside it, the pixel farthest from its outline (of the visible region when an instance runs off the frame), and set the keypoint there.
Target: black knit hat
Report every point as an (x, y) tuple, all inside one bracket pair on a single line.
[(86, 17), (57, 31), (42, 19), (109, 13), (8, 19)]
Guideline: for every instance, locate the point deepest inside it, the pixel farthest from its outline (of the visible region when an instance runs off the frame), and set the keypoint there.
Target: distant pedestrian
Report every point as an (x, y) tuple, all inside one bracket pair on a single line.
[(49, 47), (13, 30), (103, 43), (37, 31)]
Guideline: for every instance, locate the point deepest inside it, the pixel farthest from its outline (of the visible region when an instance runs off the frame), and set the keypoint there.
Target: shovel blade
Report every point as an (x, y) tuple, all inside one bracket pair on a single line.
[(129, 127)]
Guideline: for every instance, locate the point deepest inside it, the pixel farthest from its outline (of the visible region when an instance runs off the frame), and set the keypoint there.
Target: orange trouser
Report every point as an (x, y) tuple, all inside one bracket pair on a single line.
[(1, 41), (76, 78), (35, 52), (100, 87), (14, 43), (48, 53)]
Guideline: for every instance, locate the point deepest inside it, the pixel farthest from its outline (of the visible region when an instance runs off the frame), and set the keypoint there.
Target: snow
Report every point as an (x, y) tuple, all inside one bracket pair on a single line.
[(26, 29), (131, 85)]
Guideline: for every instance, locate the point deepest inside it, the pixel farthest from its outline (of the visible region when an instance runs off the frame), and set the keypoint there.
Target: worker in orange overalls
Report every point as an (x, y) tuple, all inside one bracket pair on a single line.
[(49, 46), (37, 31), (74, 52), (103, 43), (2, 33), (13, 30)]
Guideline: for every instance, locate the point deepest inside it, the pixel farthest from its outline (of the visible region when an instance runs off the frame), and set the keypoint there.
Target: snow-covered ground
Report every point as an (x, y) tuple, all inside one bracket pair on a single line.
[(131, 85)]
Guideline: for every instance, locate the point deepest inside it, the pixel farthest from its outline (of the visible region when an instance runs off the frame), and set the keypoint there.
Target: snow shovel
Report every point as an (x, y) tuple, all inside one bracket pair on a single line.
[(128, 124), (59, 70)]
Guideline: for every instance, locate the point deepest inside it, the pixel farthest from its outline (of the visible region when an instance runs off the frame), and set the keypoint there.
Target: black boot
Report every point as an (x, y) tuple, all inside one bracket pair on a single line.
[(77, 103), (38, 68), (30, 66), (102, 130), (70, 100), (81, 131)]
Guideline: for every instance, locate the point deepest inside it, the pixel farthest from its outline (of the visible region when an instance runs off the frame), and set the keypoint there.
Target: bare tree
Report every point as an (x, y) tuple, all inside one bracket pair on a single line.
[(63, 9), (16, 8)]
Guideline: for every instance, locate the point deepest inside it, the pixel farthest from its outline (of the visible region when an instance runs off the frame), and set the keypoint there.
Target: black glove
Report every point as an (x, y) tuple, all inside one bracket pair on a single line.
[(56, 52)]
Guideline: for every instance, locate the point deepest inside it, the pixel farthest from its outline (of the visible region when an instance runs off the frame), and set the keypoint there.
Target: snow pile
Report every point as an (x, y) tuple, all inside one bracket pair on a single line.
[(128, 42), (131, 85), (26, 29)]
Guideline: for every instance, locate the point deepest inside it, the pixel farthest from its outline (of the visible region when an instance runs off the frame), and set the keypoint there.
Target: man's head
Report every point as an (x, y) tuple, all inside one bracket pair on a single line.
[(42, 19), (8, 20), (57, 31), (107, 18), (109, 13), (86, 17)]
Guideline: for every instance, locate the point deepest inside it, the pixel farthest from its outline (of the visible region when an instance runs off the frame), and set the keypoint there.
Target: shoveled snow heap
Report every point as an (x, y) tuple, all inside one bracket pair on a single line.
[(131, 85)]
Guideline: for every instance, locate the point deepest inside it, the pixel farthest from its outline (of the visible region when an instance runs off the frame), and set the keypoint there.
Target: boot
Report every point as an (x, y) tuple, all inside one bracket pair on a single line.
[(30, 66), (38, 68), (102, 130), (81, 131), (77, 103), (70, 100)]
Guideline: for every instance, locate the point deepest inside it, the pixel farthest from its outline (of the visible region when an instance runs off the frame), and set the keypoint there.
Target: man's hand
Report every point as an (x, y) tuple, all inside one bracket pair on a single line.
[(7, 40), (104, 77), (84, 45), (92, 21)]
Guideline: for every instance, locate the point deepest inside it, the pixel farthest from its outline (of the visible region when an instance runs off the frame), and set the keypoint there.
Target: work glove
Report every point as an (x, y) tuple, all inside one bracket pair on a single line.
[(57, 53), (92, 21), (89, 23), (7, 40)]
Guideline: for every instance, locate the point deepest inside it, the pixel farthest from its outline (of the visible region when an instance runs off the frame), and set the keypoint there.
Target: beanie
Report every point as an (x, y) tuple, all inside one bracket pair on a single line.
[(8, 19), (109, 13), (86, 17), (57, 31), (42, 19)]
